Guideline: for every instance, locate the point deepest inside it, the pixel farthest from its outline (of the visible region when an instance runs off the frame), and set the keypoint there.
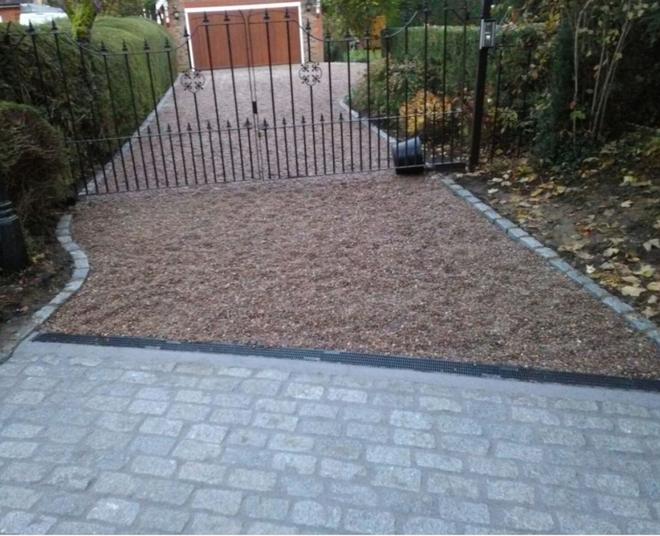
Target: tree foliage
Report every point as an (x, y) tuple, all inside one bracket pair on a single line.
[(356, 16), (601, 54), (82, 14)]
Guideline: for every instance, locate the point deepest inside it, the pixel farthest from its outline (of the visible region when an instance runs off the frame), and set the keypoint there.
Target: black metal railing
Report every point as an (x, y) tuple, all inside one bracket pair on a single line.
[(259, 98)]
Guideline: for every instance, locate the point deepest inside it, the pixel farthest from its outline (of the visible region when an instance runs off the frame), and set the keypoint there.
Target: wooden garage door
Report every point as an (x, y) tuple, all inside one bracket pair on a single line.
[(248, 37)]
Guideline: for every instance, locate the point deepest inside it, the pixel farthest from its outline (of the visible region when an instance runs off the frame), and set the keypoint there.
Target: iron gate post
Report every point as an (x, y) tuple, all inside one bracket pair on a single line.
[(480, 90), (13, 255)]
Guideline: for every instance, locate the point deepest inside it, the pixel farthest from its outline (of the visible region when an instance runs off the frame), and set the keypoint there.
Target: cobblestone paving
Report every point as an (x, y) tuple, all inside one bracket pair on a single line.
[(119, 440)]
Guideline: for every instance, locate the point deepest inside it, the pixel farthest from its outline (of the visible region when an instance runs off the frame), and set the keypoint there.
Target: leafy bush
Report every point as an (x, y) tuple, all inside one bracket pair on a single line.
[(71, 83), (517, 71), (455, 10), (34, 164), (554, 105), (635, 93), (462, 45)]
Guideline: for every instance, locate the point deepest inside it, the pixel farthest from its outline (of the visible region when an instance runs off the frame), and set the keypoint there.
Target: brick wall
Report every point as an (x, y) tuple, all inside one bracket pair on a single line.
[(176, 29), (10, 13)]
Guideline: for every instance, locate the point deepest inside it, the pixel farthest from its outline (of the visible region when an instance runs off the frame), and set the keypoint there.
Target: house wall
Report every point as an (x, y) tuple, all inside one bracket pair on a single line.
[(10, 13)]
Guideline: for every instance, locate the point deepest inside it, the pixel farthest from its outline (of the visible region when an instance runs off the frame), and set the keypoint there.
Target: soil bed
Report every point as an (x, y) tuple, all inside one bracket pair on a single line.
[(603, 217), (23, 293), (376, 264)]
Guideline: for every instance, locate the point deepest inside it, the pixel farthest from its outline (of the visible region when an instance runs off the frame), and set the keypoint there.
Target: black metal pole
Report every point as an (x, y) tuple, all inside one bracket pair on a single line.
[(13, 255), (480, 91)]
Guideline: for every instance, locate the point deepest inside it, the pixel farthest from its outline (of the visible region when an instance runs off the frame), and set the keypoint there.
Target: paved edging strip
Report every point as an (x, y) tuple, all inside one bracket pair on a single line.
[(519, 235), (78, 276)]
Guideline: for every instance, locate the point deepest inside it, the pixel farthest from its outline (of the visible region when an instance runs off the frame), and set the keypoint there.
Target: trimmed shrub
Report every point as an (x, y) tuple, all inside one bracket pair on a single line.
[(34, 164), (75, 81)]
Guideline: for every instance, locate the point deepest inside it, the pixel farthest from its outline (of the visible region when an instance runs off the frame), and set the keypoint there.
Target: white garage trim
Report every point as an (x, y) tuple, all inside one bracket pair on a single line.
[(245, 7)]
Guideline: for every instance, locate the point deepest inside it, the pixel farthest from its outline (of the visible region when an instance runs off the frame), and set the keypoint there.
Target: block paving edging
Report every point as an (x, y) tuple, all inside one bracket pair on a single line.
[(522, 237), (78, 277)]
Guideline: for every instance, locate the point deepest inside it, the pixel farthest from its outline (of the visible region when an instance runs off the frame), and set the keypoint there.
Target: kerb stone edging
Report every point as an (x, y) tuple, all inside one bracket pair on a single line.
[(78, 276), (519, 235)]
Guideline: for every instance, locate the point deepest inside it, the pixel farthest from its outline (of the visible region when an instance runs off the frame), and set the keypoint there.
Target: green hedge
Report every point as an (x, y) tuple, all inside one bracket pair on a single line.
[(74, 93), (34, 164), (455, 11), (462, 49), (454, 73)]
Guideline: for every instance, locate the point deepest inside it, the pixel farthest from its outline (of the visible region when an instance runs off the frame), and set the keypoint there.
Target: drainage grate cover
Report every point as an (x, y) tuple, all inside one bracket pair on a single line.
[(423, 364)]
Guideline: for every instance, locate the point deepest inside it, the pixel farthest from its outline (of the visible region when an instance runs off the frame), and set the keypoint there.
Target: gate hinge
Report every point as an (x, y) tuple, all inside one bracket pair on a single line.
[(254, 107)]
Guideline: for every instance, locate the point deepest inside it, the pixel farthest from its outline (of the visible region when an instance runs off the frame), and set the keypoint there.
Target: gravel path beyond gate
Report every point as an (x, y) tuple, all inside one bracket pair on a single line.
[(212, 135), (376, 264)]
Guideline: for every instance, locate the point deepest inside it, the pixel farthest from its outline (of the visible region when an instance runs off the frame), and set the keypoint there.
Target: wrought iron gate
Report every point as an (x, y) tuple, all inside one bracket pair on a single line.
[(262, 97)]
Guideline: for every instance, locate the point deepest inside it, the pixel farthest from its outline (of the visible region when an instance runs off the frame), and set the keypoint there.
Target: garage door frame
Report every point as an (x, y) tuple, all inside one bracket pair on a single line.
[(245, 7)]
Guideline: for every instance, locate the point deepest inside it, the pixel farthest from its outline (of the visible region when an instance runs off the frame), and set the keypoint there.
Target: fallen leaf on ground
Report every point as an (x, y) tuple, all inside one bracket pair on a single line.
[(645, 270), (649, 312), (653, 243), (626, 204), (629, 290)]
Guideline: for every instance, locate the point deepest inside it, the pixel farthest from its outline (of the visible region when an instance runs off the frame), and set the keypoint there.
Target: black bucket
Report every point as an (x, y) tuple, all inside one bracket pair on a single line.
[(408, 156)]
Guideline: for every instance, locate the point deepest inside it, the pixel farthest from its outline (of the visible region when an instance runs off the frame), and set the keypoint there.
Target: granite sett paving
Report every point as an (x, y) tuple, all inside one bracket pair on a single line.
[(116, 440)]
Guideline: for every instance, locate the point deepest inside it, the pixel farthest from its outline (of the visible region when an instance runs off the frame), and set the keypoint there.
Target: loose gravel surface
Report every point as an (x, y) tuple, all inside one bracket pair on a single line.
[(366, 263)]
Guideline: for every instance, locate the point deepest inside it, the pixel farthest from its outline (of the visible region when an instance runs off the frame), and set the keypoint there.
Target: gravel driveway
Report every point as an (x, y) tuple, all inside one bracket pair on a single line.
[(315, 134), (364, 263)]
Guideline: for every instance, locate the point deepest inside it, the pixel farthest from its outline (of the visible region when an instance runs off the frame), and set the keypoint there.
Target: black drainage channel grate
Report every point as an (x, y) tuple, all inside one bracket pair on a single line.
[(372, 360)]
